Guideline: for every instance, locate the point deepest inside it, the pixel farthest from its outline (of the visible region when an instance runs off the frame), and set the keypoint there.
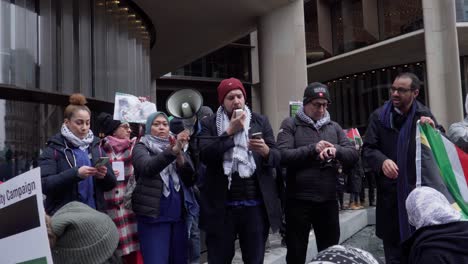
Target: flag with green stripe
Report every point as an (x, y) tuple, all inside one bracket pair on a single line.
[(443, 166)]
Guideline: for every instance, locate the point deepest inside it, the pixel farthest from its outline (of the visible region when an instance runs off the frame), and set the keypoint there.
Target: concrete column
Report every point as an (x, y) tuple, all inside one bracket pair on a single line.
[(442, 60), (283, 73), (153, 93), (256, 88)]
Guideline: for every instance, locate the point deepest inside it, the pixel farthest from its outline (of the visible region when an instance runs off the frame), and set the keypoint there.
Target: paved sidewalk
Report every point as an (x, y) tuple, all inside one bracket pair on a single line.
[(351, 222)]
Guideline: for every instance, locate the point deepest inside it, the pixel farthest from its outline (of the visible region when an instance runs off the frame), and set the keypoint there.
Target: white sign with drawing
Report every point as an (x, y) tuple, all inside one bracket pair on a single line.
[(129, 108)]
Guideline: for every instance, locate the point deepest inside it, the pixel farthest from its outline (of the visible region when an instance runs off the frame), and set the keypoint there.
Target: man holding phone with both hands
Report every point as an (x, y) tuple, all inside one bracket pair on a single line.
[(239, 195), (310, 145)]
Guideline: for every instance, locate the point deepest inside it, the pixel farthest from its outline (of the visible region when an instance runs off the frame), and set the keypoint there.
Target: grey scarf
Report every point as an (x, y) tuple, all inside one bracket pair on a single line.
[(317, 124), (157, 145), (83, 144)]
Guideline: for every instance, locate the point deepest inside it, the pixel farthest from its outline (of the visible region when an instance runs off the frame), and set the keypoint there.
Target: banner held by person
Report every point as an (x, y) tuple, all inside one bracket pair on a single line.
[(132, 109), (443, 166), (23, 232)]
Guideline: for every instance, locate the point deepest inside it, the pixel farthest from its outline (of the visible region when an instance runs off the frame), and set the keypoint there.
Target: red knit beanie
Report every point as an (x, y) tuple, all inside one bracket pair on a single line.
[(228, 85)]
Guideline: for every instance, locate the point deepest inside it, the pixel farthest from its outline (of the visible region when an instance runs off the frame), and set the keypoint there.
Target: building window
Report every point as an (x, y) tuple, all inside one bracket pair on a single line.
[(65, 46)]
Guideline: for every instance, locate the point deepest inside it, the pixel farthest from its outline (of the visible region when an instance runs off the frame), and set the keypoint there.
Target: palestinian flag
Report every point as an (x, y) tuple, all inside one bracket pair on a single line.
[(353, 135), (443, 166)]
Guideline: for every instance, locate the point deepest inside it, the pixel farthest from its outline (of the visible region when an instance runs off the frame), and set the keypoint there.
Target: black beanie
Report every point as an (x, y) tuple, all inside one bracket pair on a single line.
[(316, 90), (107, 124)]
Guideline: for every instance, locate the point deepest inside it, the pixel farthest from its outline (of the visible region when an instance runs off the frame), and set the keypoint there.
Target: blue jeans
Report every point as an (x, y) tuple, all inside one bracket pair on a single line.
[(193, 239)]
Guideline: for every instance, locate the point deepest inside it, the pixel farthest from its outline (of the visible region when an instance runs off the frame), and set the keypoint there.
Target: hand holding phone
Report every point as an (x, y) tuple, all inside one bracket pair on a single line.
[(102, 161), (238, 112), (257, 135)]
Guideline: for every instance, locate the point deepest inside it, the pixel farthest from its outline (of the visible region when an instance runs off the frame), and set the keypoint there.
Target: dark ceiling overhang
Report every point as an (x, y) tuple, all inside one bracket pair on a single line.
[(403, 49), (188, 30)]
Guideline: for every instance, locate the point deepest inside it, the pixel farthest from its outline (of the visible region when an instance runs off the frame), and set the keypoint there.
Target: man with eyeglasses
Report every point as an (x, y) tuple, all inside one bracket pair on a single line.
[(389, 149), (310, 145)]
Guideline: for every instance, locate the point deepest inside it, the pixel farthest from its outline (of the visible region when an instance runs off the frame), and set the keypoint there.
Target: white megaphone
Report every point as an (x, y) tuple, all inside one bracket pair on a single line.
[(185, 104)]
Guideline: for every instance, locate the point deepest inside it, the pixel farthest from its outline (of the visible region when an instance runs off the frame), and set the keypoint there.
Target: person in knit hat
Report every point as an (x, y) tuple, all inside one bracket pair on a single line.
[(164, 171), (238, 195), (118, 146), (311, 145), (82, 235)]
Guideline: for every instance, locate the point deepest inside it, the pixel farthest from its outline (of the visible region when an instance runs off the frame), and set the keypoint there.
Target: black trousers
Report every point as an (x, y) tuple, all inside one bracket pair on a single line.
[(370, 180), (393, 252), (250, 224), (300, 215)]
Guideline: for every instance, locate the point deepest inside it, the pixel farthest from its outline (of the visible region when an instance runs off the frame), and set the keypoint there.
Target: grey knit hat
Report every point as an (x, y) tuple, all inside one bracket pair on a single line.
[(84, 235)]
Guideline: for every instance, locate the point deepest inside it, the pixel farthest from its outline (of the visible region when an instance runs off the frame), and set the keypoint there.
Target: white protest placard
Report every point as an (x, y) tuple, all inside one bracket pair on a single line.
[(129, 108), (120, 167), (23, 232)]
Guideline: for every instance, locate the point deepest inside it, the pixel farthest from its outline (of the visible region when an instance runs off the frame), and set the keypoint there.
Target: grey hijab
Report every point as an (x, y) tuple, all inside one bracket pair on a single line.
[(427, 206)]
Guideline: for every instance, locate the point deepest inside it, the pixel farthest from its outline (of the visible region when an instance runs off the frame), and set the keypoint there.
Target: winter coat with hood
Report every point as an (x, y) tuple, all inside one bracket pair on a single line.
[(60, 177)]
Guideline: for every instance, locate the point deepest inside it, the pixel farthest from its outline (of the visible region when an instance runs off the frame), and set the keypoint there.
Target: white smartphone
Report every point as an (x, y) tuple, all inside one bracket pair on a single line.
[(238, 112)]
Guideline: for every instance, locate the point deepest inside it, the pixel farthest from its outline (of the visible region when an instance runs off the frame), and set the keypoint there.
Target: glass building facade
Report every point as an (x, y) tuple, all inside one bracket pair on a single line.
[(356, 95), (52, 48)]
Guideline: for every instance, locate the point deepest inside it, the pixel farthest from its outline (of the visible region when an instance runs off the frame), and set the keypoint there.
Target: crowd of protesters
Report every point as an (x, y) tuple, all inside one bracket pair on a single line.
[(226, 175)]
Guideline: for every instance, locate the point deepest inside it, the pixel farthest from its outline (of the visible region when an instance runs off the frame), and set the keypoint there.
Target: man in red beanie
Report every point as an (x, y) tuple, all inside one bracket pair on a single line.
[(239, 195)]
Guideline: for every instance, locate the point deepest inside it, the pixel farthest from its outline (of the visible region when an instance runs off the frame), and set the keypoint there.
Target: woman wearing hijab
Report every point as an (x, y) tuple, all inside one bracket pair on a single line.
[(67, 163), (118, 146), (163, 171), (441, 236)]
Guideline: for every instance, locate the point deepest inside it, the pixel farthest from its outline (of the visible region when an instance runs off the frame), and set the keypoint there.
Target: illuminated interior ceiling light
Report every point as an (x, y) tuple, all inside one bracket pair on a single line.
[(373, 71), (124, 9), (99, 3), (383, 69), (406, 65), (347, 77), (394, 67), (131, 15), (418, 63), (363, 73), (355, 75)]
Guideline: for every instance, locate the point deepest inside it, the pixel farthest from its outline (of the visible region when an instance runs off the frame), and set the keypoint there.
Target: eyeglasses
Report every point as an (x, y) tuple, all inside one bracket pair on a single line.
[(400, 90), (125, 126), (320, 105)]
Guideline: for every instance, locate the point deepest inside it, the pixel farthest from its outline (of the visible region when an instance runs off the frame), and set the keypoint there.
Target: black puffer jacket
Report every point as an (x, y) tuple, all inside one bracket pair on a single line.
[(306, 178), (60, 180), (147, 194)]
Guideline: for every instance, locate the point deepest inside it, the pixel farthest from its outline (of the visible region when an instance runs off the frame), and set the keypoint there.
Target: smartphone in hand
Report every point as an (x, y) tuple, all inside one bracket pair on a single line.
[(102, 161), (257, 135), (238, 112)]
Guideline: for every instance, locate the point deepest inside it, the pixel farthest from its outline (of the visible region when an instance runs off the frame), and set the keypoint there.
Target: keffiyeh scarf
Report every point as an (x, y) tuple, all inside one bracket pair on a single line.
[(157, 145), (317, 124), (238, 159)]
